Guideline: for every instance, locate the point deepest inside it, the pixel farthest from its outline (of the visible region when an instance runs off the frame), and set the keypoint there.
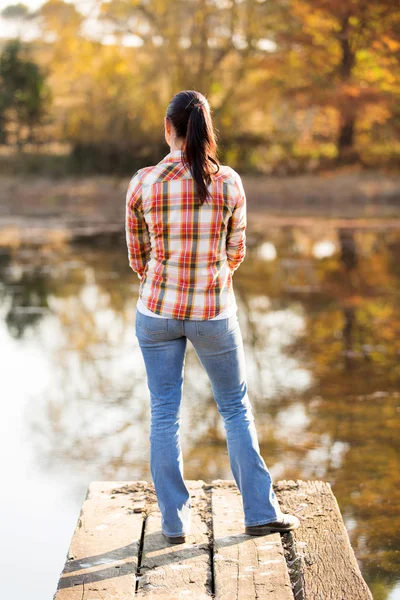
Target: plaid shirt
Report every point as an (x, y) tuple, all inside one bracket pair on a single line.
[(185, 253)]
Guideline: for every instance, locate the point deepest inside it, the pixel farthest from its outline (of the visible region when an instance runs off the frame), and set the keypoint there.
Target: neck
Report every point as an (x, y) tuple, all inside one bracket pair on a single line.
[(174, 146)]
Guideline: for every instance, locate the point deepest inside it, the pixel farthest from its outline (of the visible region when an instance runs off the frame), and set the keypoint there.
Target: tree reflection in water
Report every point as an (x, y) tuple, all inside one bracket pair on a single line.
[(320, 318)]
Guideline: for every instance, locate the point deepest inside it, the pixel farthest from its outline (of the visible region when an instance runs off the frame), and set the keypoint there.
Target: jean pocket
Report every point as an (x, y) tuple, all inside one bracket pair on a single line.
[(151, 324), (212, 329)]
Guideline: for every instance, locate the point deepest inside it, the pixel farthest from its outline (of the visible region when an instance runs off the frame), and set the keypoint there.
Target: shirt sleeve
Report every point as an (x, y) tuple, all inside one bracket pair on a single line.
[(236, 235), (137, 234)]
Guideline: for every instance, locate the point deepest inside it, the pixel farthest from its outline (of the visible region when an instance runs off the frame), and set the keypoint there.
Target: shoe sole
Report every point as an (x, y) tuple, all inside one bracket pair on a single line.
[(179, 539), (265, 530)]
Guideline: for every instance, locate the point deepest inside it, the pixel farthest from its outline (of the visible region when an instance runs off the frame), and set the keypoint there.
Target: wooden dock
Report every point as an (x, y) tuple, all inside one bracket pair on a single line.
[(118, 551)]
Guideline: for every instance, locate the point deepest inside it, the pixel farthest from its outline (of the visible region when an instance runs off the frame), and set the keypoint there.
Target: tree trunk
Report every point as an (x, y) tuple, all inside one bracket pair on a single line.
[(346, 135), (348, 115)]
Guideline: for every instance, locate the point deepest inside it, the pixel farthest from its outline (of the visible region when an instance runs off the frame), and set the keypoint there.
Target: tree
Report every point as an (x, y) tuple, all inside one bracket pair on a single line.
[(15, 11), (343, 56), (24, 95)]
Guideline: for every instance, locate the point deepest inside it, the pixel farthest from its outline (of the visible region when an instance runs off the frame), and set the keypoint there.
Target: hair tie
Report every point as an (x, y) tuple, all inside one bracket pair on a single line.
[(199, 102)]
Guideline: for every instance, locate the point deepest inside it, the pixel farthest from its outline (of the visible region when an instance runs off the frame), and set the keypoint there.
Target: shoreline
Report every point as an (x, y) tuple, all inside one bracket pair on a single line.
[(38, 209)]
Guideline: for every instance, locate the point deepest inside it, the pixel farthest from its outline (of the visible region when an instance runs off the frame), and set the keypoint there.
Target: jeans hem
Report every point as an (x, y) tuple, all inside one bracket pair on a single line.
[(262, 522), (174, 534)]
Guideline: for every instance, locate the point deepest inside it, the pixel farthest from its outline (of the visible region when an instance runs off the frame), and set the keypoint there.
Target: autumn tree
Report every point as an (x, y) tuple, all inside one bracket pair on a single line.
[(291, 83), (343, 56)]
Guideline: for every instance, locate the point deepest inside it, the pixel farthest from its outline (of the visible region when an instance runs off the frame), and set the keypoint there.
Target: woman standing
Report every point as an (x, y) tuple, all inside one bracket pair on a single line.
[(186, 235)]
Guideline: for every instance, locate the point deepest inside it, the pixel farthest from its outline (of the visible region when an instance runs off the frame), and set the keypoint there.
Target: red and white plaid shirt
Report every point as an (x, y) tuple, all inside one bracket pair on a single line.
[(185, 253)]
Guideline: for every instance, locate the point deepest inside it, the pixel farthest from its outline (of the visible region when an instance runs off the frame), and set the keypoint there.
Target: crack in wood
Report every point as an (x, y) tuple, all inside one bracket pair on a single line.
[(294, 564), (140, 554), (253, 573), (210, 528)]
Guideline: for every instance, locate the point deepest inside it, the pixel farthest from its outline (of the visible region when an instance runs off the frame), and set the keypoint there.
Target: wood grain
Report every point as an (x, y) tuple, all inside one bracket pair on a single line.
[(178, 571), (245, 567), (322, 559), (102, 558), (118, 550)]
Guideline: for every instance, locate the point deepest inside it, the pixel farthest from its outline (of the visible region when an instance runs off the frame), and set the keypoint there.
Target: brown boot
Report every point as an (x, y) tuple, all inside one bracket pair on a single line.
[(287, 523), (175, 539)]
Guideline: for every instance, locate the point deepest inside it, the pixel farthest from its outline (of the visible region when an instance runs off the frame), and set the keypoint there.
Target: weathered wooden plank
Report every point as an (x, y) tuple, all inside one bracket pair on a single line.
[(184, 570), (102, 558), (102, 561), (245, 567), (323, 563)]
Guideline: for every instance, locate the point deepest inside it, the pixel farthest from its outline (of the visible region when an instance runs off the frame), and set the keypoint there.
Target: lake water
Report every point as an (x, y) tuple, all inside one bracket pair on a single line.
[(319, 309)]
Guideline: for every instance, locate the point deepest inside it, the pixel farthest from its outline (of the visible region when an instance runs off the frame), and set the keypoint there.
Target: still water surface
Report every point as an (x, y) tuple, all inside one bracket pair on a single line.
[(319, 309)]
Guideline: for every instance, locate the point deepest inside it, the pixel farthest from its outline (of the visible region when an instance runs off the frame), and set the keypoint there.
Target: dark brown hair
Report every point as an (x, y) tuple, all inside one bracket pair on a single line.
[(190, 114)]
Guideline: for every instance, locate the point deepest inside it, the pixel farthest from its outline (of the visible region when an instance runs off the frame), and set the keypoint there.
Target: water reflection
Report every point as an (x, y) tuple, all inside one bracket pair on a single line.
[(320, 319)]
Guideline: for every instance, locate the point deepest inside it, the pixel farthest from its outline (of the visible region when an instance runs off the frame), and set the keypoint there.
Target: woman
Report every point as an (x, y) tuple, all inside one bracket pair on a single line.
[(185, 232)]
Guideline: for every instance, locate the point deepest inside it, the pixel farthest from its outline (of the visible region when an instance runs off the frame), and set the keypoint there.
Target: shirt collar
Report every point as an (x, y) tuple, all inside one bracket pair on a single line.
[(173, 156)]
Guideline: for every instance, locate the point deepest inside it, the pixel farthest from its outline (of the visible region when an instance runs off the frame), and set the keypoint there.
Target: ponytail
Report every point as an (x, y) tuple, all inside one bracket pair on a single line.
[(192, 122)]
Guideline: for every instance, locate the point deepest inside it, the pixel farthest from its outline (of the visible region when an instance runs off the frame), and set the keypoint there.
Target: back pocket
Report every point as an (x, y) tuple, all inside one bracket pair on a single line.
[(151, 324), (212, 329)]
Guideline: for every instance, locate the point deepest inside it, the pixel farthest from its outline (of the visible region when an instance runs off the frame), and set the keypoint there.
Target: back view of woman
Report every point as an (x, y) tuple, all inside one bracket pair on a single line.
[(186, 235)]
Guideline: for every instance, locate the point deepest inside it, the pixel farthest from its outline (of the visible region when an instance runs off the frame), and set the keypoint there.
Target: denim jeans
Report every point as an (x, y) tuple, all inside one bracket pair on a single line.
[(219, 347)]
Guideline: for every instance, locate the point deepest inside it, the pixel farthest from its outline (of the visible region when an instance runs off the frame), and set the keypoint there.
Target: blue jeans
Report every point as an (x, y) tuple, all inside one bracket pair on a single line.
[(219, 347)]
